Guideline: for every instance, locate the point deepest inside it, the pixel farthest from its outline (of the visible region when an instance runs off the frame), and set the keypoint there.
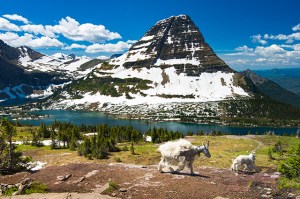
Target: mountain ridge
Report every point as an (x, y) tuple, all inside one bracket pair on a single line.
[(271, 89)]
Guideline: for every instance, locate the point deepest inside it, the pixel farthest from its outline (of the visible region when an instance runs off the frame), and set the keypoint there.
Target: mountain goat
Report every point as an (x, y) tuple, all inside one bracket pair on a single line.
[(246, 160), (181, 152)]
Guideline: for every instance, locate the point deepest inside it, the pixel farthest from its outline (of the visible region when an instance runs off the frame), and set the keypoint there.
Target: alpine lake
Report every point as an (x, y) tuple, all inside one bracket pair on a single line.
[(96, 118)]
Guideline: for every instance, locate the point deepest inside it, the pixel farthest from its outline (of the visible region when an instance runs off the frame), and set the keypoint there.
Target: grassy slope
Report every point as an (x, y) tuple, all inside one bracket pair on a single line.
[(223, 149)]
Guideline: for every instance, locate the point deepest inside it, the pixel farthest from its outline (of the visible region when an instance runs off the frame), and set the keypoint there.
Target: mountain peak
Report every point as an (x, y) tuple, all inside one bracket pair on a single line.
[(173, 42), (181, 16)]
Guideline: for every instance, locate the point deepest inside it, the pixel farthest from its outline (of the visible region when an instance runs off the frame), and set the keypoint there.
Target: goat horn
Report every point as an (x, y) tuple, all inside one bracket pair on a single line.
[(207, 143)]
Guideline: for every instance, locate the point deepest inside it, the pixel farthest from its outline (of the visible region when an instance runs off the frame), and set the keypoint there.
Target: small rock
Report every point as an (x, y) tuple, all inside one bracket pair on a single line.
[(298, 197), (58, 182), (266, 196), (268, 189), (63, 178), (123, 190), (79, 180), (60, 178), (266, 175), (213, 183), (94, 172), (277, 173), (274, 176), (291, 195), (113, 194), (236, 174), (10, 186), (258, 187), (269, 193), (220, 197), (144, 167)]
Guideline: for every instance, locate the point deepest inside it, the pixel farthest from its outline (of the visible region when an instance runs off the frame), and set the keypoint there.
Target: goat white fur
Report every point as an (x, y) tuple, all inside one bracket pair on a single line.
[(180, 152), (246, 160)]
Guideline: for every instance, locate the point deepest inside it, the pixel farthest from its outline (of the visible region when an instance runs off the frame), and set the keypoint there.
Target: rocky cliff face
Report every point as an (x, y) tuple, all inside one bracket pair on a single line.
[(173, 42)]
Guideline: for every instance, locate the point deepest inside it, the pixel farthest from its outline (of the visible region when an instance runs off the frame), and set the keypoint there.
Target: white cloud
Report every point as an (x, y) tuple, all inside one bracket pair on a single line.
[(38, 29), (112, 48), (296, 28), (103, 57), (244, 48), (269, 50), (258, 39), (288, 38), (75, 46), (29, 40), (242, 51), (75, 31), (16, 18), (296, 47), (131, 41), (8, 26), (261, 60)]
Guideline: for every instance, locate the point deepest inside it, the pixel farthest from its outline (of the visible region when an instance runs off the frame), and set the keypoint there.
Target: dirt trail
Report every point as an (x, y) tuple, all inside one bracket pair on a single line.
[(137, 181), (247, 137)]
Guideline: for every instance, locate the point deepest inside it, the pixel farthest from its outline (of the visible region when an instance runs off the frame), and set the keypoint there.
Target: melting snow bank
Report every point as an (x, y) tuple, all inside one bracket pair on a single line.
[(35, 166), (43, 142)]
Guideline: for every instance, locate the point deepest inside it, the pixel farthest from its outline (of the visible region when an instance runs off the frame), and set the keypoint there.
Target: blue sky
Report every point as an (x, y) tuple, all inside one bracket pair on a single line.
[(246, 34)]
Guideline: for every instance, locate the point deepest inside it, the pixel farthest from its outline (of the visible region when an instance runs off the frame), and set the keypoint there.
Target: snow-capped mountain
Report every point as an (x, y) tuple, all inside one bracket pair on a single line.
[(68, 65), (26, 73), (170, 63)]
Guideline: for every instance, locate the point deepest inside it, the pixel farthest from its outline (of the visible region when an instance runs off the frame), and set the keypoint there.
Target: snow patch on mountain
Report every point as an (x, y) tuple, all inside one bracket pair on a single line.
[(59, 63), (192, 61)]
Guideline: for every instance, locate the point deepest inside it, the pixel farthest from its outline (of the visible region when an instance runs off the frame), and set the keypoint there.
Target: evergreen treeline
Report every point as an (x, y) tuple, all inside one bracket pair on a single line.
[(162, 135), (105, 139), (260, 107)]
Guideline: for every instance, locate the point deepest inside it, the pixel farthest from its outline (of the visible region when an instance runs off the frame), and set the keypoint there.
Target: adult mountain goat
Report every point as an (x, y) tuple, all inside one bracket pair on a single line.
[(182, 153), (246, 160)]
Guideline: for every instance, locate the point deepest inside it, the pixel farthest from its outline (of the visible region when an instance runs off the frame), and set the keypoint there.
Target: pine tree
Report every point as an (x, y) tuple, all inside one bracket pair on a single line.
[(132, 148), (11, 160), (73, 140), (43, 131), (53, 138)]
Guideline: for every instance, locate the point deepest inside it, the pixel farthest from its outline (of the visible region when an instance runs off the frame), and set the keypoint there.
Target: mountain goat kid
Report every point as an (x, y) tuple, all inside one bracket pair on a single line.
[(181, 152), (246, 160)]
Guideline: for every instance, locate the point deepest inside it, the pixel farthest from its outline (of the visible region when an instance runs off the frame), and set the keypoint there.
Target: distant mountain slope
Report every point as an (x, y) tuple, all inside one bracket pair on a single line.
[(271, 89), (288, 78), (27, 73)]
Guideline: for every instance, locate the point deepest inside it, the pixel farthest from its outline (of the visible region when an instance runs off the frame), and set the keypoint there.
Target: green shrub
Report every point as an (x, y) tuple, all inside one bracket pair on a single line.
[(112, 187), (124, 148), (270, 154), (10, 191), (36, 188), (284, 182), (290, 166)]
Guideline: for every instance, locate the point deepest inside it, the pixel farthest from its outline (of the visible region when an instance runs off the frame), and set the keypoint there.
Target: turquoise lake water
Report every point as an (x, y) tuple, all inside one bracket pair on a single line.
[(94, 118)]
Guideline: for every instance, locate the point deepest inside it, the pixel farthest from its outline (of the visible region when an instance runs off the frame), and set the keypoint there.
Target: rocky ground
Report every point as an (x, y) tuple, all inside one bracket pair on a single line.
[(89, 180)]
